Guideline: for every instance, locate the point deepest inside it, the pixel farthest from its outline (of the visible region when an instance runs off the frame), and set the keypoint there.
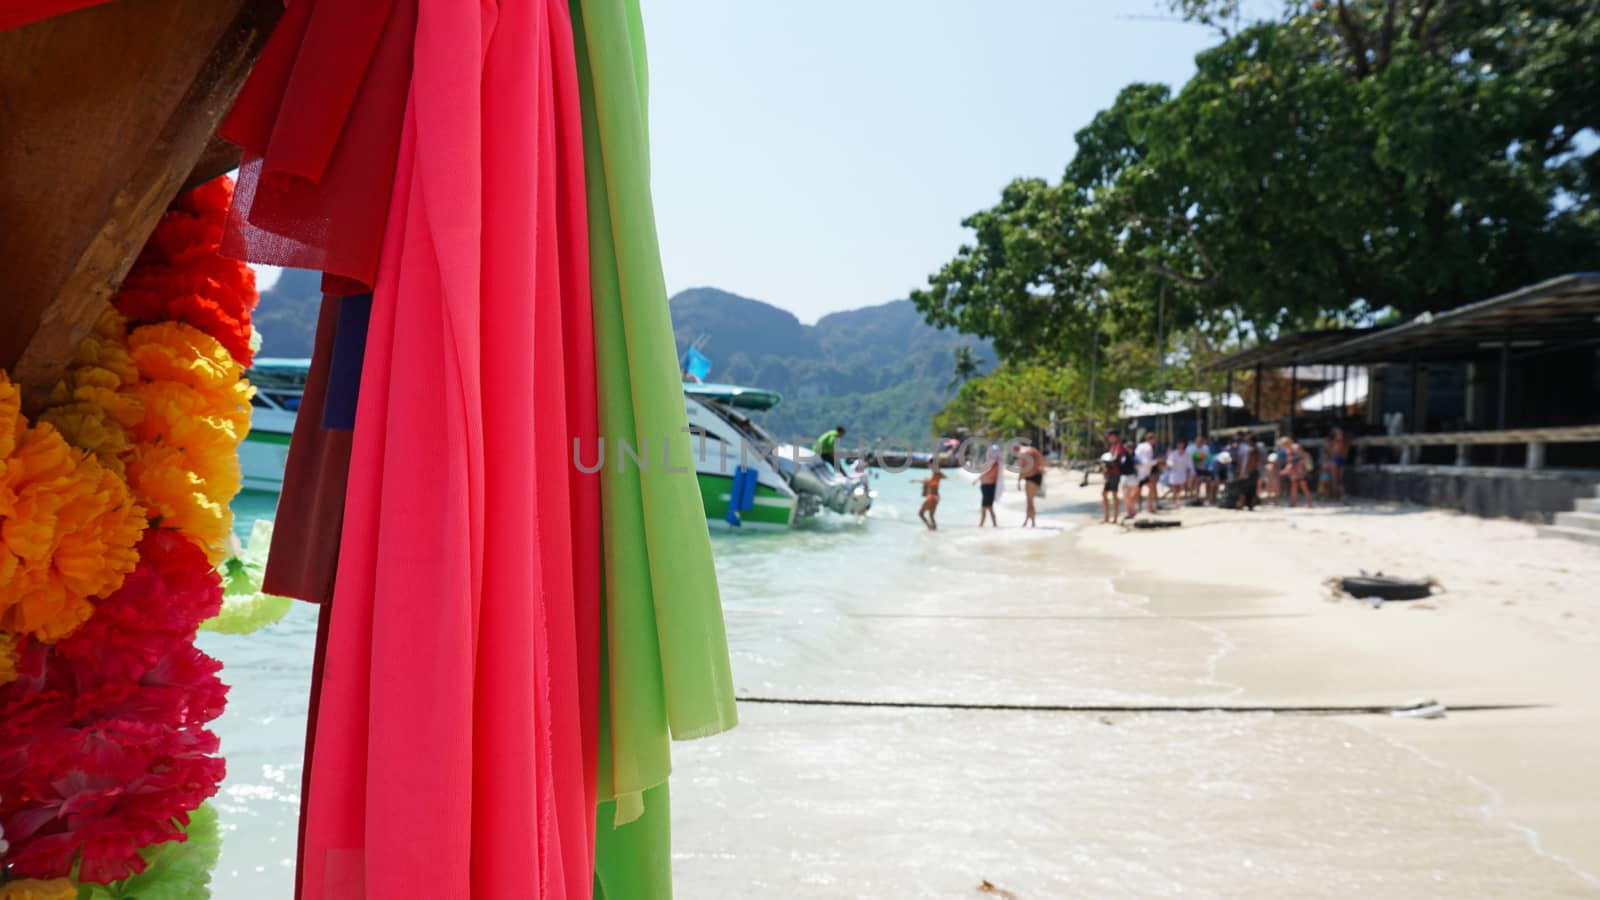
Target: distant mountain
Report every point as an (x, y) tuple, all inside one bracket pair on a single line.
[(880, 371), (286, 317)]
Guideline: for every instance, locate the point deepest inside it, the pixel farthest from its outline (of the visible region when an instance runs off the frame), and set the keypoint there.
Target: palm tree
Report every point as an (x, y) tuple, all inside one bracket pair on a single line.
[(968, 366)]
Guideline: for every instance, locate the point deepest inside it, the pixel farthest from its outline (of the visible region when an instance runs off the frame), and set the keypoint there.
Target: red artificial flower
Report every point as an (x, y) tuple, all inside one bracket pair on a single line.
[(180, 236), (103, 744), (209, 201), (181, 275)]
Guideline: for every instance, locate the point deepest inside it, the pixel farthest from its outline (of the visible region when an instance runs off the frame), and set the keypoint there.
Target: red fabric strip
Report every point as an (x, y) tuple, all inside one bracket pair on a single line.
[(17, 13)]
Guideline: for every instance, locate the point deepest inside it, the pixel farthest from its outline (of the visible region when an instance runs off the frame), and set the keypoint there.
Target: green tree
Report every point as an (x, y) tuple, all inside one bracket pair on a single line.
[(967, 367), (1345, 158)]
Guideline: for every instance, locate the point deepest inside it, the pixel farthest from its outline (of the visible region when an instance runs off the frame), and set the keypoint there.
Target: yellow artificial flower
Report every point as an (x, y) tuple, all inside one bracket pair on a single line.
[(176, 497), (196, 411), (174, 351), (106, 348), (68, 527), (34, 889), (92, 405), (90, 426)]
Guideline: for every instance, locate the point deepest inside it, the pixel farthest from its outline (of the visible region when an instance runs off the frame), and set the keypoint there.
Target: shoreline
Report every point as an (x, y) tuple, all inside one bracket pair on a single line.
[(1520, 623)]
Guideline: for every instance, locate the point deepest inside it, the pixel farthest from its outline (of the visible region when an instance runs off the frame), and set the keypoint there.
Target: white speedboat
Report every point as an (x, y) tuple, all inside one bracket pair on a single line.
[(790, 482), (279, 384)]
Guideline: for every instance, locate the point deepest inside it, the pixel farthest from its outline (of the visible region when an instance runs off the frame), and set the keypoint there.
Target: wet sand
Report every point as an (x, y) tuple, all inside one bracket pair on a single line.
[(849, 801)]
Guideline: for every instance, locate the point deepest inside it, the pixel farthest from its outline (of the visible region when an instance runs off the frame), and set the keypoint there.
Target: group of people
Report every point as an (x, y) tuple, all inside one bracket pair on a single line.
[(1030, 468), (1240, 473)]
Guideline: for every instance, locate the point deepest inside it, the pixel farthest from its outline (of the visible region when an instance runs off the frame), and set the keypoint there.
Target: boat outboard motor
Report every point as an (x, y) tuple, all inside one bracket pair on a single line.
[(822, 486)]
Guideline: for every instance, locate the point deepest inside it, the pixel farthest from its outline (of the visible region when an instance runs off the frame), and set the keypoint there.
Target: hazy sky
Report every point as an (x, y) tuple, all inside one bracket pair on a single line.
[(821, 156)]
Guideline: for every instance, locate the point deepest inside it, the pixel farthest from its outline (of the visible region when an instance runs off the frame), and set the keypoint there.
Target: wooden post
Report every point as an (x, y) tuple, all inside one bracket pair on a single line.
[(1344, 395), (1503, 399), (1294, 390), (1220, 420), (1258, 392), (1419, 397), (107, 112)]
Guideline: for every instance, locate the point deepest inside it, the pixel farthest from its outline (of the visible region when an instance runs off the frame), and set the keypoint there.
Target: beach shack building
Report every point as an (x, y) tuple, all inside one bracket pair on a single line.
[(1492, 408), (1174, 416)]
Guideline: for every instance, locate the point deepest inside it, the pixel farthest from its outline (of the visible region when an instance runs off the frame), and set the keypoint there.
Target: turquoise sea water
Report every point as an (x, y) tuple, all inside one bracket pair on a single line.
[(842, 802), (263, 728)]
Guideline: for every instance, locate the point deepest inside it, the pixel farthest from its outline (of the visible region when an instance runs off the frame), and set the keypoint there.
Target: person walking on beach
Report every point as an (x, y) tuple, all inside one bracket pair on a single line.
[(1111, 475), (1338, 450), (1200, 464), (1145, 456), (1030, 477), (1249, 482), (1179, 473), (988, 486), (1297, 466), (826, 443), (1130, 482), (930, 498), (1211, 470)]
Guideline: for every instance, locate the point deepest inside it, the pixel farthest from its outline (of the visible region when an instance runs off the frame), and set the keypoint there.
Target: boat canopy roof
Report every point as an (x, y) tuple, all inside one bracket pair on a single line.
[(735, 396), (279, 373)]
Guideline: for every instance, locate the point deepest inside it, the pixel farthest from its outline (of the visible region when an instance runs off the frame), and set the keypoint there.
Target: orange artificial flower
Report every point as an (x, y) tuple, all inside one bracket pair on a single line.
[(34, 889)]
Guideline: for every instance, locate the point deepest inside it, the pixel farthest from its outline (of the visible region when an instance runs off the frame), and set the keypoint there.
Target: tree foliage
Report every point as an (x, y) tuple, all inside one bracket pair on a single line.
[(1019, 397), (967, 367), (1346, 157)]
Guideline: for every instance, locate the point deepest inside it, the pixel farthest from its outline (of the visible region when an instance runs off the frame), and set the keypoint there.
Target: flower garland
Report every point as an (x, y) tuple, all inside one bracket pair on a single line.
[(120, 708), (113, 517)]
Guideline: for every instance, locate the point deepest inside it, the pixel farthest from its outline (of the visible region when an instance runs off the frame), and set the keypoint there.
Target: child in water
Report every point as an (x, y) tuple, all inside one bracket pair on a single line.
[(930, 498)]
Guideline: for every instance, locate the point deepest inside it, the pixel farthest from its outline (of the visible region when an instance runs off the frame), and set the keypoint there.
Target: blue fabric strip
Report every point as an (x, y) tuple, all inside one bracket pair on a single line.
[(344, 375)]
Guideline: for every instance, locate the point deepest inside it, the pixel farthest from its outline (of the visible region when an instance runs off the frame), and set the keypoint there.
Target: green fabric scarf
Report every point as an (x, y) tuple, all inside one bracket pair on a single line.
[(664, 654)]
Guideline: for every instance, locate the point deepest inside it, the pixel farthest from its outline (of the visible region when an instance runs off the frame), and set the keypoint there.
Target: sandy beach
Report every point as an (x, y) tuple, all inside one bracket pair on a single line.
[(1519, 624), (1228, 610)]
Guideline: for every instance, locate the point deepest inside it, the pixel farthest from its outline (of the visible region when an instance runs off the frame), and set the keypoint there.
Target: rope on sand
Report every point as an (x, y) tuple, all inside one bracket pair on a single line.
[(1077, 618), (1335, 710)]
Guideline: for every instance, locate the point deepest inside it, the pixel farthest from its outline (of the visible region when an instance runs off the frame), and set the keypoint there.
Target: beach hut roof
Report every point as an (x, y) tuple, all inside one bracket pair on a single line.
[(1135, 404), (1288, 350), (1562, 311)]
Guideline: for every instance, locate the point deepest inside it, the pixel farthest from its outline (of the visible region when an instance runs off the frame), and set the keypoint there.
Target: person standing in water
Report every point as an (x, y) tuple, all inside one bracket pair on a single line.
[(930, 498), (988, 486), (1030, 477), (826, 444)]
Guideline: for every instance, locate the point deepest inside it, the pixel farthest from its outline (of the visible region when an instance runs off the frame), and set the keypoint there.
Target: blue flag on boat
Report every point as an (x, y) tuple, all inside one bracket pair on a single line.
[(696, 364)]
